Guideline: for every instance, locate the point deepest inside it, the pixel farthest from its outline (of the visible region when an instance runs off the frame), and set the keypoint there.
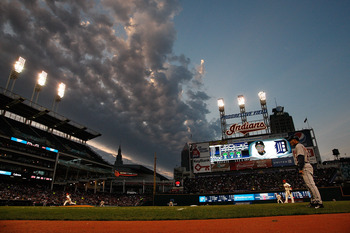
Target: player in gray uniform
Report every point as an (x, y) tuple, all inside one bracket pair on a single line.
[(307, 172)]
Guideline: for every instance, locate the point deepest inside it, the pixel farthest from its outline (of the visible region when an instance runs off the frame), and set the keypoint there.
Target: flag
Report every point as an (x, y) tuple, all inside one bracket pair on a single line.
[(305, 120)]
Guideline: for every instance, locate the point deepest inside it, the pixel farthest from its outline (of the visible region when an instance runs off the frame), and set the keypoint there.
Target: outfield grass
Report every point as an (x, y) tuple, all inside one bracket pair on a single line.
[(166, 212)]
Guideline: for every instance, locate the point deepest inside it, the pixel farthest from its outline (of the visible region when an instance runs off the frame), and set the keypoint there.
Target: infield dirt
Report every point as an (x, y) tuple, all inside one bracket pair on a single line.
[(298, 223)]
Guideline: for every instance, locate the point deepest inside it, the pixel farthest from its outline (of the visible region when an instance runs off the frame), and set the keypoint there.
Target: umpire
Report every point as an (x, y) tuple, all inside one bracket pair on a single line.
[(307, 172)]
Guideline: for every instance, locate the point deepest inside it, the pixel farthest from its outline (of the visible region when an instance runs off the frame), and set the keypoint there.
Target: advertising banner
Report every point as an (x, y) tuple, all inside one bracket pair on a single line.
[(255, 164), (218, 167), (264, 196), (242, 165), (304, 137), (244, 197), (283, 162), (251, 197), (200, 150), (201, 165), (262, 163)]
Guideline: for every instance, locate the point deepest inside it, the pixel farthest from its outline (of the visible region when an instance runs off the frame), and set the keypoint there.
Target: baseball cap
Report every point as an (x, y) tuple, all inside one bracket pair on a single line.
[(293, 137), (259, 143)]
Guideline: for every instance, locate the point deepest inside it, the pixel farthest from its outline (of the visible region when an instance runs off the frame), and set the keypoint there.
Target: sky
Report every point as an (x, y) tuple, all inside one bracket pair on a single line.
[(147, 74)]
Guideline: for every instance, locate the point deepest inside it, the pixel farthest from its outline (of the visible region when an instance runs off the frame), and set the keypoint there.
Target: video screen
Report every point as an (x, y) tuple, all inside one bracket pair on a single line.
[(250, 150), (229, 152)]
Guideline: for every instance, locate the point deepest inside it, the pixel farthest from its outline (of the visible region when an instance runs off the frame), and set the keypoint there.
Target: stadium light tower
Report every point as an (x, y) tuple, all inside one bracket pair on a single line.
[(16, 70), (221, 106), (241, 104), (60, 93), (262, 97), (40, 83)]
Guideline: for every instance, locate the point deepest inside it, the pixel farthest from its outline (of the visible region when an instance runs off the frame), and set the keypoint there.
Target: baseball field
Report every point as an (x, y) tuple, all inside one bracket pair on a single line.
[(219, 218)]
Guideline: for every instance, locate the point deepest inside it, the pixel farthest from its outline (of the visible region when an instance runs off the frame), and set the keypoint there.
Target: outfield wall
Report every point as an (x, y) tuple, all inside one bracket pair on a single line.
[(328, 194)]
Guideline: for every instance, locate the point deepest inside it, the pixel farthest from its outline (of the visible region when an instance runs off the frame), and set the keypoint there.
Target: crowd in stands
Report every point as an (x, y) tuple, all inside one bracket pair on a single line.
[(41, 195), (243, 181), (254, 181)]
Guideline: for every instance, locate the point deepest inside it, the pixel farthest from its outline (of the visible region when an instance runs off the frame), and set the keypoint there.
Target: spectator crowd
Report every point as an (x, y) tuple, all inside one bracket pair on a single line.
[(254, 181), (243, 181), (41, 195)]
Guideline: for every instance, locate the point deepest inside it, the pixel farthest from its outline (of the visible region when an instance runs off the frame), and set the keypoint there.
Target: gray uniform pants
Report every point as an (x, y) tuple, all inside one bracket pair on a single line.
[(308, 173)]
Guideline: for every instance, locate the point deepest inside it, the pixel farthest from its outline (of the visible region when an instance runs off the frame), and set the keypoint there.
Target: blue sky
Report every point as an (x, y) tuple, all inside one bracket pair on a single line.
[(133, 68), (298, 52)]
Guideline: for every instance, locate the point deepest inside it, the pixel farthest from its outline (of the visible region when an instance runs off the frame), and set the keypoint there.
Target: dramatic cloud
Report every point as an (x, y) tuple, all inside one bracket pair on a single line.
[(123, 79)]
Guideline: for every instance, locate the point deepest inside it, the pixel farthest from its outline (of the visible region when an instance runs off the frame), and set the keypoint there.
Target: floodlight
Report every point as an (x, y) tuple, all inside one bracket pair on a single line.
[(241, 100), (61, 89), (262, 97), (19, 65), (42, 78), (221, 104), (14, 74), (40, 83)]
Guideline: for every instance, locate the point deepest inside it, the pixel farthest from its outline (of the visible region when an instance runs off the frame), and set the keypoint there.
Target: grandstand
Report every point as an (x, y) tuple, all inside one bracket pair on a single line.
[(41, 147)]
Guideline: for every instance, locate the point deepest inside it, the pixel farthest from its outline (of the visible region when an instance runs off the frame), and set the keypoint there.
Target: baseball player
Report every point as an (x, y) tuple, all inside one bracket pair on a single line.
[(260, 147), (307, 172), (102, 204), (279, 198), (287, 189), (68, 200)]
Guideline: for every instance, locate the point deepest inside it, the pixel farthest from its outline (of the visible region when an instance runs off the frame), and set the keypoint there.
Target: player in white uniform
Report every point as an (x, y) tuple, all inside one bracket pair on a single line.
[(287, 189), (68, 200), (102, 204), (279, 198), (307, 172)]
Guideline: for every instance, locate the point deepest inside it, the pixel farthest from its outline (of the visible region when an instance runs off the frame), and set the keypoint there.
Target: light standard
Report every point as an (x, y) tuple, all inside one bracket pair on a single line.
[(221, 106), (262, 97), (60, 93), (241, 104), (17, 69), (40, 83)]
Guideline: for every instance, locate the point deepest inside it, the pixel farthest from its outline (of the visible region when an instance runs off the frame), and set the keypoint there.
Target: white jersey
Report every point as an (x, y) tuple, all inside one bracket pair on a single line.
[(287, 186)]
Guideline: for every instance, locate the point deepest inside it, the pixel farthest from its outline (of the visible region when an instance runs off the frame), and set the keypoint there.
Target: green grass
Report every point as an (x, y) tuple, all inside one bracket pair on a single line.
[(167, 213)]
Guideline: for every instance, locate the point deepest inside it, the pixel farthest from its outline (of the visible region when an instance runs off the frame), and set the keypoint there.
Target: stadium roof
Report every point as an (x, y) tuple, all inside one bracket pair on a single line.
[(138, 169), (20, 106)]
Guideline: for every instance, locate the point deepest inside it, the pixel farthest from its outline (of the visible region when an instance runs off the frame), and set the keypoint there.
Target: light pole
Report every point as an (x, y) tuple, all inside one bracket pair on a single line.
[(15, 71), (221, 106), (262, 97), (40, 83), (241, 104), (60, 93)]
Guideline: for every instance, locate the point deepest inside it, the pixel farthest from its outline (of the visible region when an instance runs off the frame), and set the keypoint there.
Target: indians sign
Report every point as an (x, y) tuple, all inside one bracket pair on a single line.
[(246, 128)]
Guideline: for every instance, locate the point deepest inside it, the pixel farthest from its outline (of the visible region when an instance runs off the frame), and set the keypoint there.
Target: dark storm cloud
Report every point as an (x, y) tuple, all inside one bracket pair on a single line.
[(122, 77)]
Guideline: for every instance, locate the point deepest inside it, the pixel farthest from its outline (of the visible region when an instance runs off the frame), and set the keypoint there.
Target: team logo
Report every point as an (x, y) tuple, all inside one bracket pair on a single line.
[(301, 137), (246, 128)]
